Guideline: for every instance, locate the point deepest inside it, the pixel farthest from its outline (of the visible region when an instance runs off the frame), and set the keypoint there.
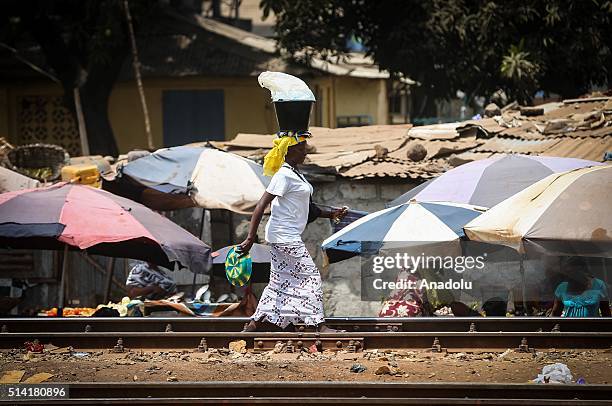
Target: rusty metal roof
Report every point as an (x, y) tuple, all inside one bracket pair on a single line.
[(585, 148), (578, 129)]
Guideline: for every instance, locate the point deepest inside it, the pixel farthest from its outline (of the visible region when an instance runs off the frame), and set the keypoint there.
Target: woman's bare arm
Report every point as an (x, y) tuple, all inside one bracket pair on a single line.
[(265, 200), (330, 213), (557, 308)]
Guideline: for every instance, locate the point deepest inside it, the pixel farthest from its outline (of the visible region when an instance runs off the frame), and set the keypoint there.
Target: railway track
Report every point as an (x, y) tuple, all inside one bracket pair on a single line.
[(335, 341), (437, 334), (350, 324), (407, 333), (332, 393)]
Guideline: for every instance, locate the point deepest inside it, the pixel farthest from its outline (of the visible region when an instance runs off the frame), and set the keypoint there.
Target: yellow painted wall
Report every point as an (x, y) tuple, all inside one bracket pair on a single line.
[(248, 108), (355, 96), (324, 113)]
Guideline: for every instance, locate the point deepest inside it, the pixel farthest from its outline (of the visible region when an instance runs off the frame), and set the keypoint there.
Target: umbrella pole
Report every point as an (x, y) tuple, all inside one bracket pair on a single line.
[(110, 268), (62, 293), (193, 284), (524, 294)]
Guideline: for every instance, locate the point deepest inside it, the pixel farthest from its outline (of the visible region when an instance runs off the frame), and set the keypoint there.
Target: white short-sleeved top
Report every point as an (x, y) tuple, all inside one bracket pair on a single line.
[(289, 213)]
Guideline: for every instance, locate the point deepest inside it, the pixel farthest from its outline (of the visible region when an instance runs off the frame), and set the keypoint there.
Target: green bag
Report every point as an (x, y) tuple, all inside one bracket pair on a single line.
[(238, 266)]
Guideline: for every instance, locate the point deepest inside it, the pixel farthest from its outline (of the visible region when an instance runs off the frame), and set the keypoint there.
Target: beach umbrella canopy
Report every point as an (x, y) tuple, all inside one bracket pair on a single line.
[(84, 218), (569, 213), (489, 181), (412, 223), (192, 176)]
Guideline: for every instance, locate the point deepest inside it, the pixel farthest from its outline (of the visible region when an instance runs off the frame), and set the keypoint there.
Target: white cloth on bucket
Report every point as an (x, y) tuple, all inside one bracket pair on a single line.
[(284, 87)]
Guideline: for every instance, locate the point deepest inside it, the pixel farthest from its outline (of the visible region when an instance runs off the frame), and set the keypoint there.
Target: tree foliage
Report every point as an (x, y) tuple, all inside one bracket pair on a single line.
[(560, 46), (85, 44)]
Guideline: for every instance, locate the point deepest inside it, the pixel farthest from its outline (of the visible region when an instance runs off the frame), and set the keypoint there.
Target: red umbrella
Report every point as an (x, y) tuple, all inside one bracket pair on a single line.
[(98, 222), (69, 216)]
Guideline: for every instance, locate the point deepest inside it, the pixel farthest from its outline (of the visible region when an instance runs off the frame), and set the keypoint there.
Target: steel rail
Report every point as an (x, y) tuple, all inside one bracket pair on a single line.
[(335, 392), (351, 324), (322, 401), (382, 340)]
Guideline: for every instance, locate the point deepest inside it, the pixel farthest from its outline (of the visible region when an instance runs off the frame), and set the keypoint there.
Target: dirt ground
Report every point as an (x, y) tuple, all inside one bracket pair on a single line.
[(595, 366)]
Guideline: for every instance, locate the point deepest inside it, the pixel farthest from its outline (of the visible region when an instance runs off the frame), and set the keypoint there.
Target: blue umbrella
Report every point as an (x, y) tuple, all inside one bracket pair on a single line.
[(489, 181), (409, 224)]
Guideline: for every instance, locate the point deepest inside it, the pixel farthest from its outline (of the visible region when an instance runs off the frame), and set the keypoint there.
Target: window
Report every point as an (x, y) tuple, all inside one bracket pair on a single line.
[(353, 121), (193, 116)]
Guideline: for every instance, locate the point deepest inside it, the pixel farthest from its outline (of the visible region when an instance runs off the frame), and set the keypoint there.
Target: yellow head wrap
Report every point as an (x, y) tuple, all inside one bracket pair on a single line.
[(275, 158)]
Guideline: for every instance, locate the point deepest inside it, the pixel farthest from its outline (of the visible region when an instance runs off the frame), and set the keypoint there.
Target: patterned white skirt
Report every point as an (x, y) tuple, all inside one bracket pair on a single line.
[(294, 293)]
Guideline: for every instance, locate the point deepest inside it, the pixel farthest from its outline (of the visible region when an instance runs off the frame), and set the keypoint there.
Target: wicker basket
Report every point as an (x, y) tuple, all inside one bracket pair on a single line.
[(39, 161)]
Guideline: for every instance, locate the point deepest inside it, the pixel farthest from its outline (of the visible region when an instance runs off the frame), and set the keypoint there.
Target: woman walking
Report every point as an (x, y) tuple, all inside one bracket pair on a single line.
[(294, 293)]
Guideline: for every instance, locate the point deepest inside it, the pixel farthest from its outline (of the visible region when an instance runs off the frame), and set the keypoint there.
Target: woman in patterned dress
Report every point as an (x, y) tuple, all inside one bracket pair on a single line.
[(294, 293)]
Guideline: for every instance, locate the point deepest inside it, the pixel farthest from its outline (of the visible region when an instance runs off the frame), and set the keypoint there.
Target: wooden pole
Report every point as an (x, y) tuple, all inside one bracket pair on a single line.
[(136, 65), (202, 220), (110, 268), (62, 293), (81, 121), (524, 289)]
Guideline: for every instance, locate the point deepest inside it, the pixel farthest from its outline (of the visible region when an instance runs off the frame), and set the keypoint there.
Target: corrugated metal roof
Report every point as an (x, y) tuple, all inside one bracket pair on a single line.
[(438, 148), (396, 168), (488, 125), (338, 140), (518, 146), (586, 148), (340, 160), (382, 151), (446, 131)]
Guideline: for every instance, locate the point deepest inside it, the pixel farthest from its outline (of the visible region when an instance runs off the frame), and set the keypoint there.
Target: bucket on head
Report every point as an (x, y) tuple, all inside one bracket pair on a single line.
[(293, 115)]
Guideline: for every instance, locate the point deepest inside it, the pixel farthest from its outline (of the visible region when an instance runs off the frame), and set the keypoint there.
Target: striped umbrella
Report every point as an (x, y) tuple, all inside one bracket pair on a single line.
[(489, 181), (84, 218), (568, 213), (192, 176), (413, 223)]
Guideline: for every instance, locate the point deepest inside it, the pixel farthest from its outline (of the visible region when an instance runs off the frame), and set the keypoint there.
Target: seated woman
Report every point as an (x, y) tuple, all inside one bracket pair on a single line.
[(407, 301), (580, 295), (148, 281)]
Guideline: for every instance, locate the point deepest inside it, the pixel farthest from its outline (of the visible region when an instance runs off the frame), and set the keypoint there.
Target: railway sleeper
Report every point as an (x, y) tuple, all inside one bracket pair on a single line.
[(350, 344)]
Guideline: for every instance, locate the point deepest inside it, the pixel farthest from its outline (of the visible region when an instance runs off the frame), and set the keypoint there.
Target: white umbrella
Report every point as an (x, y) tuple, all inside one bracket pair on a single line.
[(192, 176), (568, 213)]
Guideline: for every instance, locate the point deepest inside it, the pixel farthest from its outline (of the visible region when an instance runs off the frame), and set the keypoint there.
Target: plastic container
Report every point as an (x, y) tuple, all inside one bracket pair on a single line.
[(83, 174), (293, 115)]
